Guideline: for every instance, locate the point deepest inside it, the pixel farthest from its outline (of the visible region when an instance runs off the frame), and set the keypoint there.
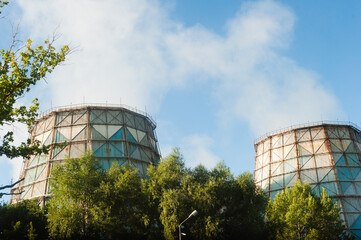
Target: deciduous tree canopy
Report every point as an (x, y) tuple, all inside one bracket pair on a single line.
[(296, 213), (21, 67), (90, 203), (23, 220)]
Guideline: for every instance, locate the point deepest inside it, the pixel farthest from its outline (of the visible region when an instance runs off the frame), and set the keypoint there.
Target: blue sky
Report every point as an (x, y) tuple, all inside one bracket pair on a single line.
[(214, 76)]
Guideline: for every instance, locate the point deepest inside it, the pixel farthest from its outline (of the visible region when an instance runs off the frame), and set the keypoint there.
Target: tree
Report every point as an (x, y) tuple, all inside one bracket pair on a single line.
[(20, 69), (296, 213), (167, 175), (24, 220), (121, 210), (228, 207), (75, 186), (91, 203), (88, 202), (164, 180)]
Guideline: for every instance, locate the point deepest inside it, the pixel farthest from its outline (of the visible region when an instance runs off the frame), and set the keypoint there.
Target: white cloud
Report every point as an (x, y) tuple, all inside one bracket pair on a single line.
[(134, 50), (166, 149), (197, 151)]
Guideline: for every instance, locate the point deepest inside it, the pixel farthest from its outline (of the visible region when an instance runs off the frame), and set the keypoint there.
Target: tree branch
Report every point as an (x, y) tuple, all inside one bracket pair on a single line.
[(11, 185)]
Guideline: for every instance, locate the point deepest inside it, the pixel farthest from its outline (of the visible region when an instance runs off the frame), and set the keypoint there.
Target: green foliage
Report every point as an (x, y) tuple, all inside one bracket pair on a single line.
[(31, 232), (18, 73), (89, 203), (75, 187), (25, 220), (120, 211), (228, 207), (296, 213), (2, 4), (21, 69)]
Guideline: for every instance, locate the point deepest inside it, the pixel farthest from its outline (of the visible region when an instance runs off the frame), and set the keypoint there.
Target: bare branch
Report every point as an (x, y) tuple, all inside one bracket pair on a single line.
[(12, 193), (11, 185), (14, 39)]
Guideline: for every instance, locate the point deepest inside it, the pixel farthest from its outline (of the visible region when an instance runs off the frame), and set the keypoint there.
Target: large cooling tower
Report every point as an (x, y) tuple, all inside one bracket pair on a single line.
[(114, 134)]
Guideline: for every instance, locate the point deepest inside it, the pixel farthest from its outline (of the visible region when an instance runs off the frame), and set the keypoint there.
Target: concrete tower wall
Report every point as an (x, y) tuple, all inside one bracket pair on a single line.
[(326, 156), (114, 134)]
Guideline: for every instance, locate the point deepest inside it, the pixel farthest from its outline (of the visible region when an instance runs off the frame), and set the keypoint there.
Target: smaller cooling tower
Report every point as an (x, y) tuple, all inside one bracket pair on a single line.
[(326, 155)]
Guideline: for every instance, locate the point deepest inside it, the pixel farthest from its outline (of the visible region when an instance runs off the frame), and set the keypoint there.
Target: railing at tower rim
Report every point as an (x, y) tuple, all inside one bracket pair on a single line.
[(133, 109), (304, 125)]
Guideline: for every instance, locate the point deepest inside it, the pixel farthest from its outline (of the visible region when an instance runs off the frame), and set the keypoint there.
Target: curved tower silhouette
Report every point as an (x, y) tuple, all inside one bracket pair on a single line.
[(114, 134), (325, 155)]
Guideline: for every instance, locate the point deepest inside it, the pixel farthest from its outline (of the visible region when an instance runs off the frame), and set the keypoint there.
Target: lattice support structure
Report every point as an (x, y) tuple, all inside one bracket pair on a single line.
[(326, 156), (114, 134)]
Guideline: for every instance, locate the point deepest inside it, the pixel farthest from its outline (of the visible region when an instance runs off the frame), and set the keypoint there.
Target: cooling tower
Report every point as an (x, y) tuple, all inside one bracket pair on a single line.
[(114, 134), (324, 155)]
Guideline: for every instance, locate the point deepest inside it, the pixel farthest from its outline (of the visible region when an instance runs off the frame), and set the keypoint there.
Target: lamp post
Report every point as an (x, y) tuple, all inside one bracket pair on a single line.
[(194, 213)]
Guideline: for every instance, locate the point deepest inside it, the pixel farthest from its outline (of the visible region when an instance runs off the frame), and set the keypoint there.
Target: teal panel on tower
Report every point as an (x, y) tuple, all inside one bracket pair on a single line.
[(104, 164), (351, 148), (341, 161), (144, 141), (98, 116), (59, 138), (156, 160), (97, 135), (332, 133), (330, 188), (352, 159), (344, 186), (131, 138), (356, 232), (334, 148), (119, 146), (129, 119), (354, 171), (343, 173), (108, 150), (330, 176), (119, 135)]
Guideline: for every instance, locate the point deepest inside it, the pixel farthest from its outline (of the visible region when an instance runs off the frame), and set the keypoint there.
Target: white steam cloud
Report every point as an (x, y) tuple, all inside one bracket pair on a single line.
[(133, 50), (197, 151)]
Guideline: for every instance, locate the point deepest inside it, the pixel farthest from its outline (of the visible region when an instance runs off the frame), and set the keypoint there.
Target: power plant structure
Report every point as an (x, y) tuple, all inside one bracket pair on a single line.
[(325, 155), (115, 134)]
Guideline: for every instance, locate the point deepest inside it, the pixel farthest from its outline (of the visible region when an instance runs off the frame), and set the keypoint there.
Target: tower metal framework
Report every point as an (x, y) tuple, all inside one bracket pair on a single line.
[(327, 156), (114, 134)]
